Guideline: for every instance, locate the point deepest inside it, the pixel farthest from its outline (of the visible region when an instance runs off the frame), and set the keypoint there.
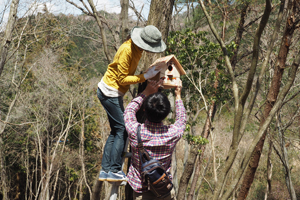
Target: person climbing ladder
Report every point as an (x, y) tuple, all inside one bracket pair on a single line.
[(113, 86)]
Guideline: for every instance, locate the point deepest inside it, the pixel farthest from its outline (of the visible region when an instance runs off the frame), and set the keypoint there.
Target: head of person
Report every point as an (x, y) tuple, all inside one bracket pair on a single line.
[(148, 38), (157, 107)]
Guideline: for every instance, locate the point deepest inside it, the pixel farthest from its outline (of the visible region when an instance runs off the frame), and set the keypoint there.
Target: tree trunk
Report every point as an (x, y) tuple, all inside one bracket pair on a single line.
[(81, 154), (174, 172), (159, 16), (271, 99), (97, 189), (269, 170), (239, 34), (3, 171), (187, 173), (96, 16), (128, 188), (124, 20), (8, 33)]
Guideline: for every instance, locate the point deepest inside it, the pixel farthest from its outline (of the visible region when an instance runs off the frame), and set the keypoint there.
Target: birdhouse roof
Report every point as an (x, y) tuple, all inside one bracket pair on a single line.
[(166, 59)]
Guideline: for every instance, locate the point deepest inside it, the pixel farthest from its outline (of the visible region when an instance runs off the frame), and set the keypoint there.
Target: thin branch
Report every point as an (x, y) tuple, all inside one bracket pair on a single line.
[(22, 124), (292, 97), (86, 7), (212, 190), (257, 18), (80, 8), (137, 13)]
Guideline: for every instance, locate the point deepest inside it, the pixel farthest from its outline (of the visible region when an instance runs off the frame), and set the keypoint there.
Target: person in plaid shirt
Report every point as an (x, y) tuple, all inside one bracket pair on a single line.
[(158, 139)]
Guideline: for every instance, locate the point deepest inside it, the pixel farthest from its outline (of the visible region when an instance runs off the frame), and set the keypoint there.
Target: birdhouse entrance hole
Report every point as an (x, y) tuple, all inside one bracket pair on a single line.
[(170, 71)]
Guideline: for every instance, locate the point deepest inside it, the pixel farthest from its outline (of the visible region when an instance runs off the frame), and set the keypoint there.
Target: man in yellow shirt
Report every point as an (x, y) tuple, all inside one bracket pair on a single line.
[(112, 87)]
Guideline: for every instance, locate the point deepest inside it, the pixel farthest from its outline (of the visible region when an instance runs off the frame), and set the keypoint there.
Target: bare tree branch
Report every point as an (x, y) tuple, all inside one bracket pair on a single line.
[(80, 8)]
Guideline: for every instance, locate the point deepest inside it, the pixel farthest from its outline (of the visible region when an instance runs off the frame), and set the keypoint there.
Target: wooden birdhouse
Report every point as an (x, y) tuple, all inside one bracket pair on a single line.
[(170, 71)]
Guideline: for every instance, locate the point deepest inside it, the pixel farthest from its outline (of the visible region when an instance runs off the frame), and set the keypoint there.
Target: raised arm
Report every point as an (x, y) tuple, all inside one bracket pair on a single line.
[(131, 122), (180, 121)]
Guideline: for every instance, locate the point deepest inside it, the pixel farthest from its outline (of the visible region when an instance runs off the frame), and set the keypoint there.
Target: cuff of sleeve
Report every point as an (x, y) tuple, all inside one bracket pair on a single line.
[(142, 95), (145, 76), (142, 77)]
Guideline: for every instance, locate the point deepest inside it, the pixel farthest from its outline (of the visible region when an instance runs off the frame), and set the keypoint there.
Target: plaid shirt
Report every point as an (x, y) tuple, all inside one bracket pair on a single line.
[(158, 139)]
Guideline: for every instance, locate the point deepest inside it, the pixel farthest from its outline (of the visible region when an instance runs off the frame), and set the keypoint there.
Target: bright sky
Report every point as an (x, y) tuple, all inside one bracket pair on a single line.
[(62, 6)]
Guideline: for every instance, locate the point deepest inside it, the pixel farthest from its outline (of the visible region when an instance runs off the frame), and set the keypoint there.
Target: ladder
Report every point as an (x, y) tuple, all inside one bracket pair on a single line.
[(115, 185)]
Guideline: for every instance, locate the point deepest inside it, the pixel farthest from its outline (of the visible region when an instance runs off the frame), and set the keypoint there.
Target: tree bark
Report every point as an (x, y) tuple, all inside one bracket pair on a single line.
[(239, 33), (269, 170), (3, 171), (159, 16), (8, 33), (187, 173), (81, 154), (271, 99), (97, 189), (124, 20)]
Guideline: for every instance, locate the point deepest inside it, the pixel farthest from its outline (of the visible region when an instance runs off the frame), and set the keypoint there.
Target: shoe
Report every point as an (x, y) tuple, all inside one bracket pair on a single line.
[(116, 177), (102, 175)]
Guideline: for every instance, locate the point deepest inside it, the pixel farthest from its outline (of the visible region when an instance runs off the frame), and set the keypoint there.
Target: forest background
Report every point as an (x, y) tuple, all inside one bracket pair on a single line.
[(241, 92)]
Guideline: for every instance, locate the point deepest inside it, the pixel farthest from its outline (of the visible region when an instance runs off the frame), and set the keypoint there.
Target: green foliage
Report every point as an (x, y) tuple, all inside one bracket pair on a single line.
[(195, 140), (73, 174), (203, 61)]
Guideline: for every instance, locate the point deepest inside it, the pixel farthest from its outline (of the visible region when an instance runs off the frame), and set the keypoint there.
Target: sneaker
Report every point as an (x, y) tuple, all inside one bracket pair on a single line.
[(116, 177), (102, 176)]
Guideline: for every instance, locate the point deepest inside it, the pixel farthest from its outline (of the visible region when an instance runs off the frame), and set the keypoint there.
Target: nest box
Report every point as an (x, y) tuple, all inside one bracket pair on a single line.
[(170, 71)]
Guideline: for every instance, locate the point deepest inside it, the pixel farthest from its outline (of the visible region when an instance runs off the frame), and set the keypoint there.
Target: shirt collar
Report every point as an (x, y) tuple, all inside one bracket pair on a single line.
[(147, 123)]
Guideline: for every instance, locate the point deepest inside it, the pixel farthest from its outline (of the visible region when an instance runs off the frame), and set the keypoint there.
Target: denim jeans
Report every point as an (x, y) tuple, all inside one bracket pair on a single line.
[(114, 146)]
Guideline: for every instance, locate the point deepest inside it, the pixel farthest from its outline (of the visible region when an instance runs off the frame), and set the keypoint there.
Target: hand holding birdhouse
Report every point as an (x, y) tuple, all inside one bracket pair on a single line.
[(150, 72), (169, 69)]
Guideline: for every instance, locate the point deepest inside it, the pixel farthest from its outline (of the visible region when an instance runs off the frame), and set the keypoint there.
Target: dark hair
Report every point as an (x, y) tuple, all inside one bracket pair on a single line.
[(157, 107)]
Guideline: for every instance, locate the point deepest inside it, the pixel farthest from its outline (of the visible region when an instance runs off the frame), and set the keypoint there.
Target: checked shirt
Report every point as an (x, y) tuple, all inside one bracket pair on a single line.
[(158, 139)]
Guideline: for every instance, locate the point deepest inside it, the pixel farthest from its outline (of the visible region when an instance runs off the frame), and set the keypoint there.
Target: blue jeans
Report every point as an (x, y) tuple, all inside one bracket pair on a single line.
[(114, 146)]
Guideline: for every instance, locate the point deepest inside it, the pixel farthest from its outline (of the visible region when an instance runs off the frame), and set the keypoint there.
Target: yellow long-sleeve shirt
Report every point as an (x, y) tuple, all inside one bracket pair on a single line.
[(120, 73)]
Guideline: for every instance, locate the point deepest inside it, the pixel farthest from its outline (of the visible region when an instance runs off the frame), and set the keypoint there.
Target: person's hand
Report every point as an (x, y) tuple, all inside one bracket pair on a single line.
[(152, 87), (178, 90), (151, 72)]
